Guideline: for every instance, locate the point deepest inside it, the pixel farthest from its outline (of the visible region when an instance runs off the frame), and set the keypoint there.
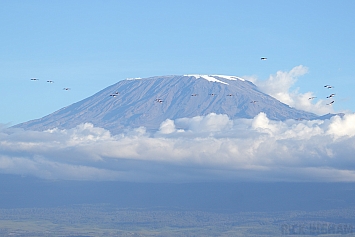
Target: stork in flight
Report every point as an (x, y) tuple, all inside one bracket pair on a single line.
[(263, 58), (311, 98), (328, 86), (49, 81), (331, 103), (34, 79), (159, 100), (66, 88), (115, 94), (331, 95)]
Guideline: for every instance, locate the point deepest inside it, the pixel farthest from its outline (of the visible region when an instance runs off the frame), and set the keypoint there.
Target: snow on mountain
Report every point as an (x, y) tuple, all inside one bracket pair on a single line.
[(150, 101), (213, 78), (136, 78)]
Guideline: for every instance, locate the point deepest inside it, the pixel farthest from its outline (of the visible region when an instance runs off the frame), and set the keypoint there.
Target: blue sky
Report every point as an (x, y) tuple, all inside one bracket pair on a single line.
[(89, 45)]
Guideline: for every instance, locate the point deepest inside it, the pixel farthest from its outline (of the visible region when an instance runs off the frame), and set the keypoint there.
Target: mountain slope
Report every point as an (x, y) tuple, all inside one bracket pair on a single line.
[(148, 102)]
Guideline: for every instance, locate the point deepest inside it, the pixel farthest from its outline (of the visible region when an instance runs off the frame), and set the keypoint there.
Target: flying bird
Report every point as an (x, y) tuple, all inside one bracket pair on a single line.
[(159, 100), (115, 94), (66, 88), (34, 79), (331, 95), (328, 86), (263, 58), (254, 101), (331, 103), (50, 81), (212, 94), (311, 98), (229, 95), (194, 95)]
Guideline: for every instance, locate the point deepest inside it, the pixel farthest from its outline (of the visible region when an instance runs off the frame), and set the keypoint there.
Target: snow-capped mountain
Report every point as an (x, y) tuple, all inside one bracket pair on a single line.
[(148, 102)]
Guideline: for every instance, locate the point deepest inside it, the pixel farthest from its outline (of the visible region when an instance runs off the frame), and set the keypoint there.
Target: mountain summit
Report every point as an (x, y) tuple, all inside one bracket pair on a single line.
[(148, 102)]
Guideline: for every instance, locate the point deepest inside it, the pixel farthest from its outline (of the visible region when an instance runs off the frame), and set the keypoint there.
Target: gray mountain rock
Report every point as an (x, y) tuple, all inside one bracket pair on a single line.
[(148, 102)]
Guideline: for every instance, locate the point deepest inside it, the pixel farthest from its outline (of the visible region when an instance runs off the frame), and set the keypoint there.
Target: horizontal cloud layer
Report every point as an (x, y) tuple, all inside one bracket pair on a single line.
[(205, 148)]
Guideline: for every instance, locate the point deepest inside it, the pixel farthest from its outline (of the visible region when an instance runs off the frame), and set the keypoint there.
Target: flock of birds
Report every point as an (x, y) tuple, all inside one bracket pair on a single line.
[(328, 97), (313, 97), (115, 94), (158, 100), (49, 81), (161, 101)]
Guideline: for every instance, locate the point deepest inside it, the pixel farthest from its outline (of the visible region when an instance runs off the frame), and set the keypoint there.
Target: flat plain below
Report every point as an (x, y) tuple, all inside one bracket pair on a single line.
[(106, 220), (35, 207)]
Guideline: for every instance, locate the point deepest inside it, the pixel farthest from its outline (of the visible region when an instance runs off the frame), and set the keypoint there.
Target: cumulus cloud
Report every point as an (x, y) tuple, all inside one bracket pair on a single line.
[(280, 87), (202, 148)]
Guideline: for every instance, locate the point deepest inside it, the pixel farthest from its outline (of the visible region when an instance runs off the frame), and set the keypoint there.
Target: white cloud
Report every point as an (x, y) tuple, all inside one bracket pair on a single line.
[(211, 147), (167, 127), (279, 86), (342, 127)]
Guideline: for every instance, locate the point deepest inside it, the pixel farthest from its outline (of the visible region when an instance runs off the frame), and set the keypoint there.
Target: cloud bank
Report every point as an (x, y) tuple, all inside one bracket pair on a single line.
[(279, 86), (203, 148)]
